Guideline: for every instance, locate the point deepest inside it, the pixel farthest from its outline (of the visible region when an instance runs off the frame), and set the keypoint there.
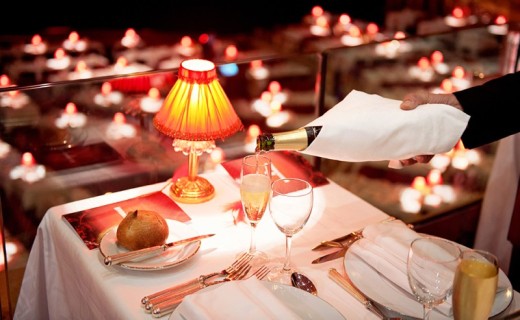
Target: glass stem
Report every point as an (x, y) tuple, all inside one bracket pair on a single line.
[(252, 245), (287, 263)]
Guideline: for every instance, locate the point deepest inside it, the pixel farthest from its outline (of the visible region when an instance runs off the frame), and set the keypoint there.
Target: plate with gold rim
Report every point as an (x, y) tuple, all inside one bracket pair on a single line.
[(170, 258)]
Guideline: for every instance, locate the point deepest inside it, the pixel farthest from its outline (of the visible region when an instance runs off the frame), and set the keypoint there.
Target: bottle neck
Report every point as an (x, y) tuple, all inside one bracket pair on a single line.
[(296, 140)]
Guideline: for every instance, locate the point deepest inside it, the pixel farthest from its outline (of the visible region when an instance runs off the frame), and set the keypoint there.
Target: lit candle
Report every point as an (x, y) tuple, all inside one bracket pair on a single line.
[(119, 129), (419, 184), (320, 27), (344, 23), (70, 117), (187, 47), (107, 97), (28, 170), (353, 37), (37, 46), (152, 102), (457, 18), (231, 53), (437, 62), (257, 70), (74, 43), (423, 70), (372, 32), (434, 177), (500, 26), (460, 79), (275, 88), (131, 39), (81, 71), (60, 61)]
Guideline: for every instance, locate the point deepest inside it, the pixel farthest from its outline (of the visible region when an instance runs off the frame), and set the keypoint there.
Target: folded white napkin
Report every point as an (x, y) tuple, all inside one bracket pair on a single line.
[(243, 299), (385, 246), (368, 127)]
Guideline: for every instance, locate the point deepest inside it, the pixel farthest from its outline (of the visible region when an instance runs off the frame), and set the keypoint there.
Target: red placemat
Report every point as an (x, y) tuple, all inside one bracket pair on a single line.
[(91, 224)]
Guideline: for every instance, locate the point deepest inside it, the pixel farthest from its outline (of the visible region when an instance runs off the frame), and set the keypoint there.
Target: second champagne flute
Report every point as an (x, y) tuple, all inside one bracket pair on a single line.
[(255, 186)]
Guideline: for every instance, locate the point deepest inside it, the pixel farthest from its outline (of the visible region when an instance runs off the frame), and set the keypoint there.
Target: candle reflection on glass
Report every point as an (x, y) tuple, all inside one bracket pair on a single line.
[(119, 129), (107, 97), (28, 170), (152, 102), (70, 117)]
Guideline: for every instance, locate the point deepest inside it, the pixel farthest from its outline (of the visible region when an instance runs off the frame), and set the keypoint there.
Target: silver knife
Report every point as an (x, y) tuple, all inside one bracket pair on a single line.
[(151, 251)]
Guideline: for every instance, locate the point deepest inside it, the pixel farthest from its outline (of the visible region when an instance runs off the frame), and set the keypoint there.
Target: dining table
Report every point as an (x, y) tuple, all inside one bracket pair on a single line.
[(65, 279)]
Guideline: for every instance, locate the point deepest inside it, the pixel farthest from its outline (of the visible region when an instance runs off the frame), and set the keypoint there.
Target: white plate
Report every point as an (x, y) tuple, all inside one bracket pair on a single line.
[(302, 303), (169, 258), (390, 295)]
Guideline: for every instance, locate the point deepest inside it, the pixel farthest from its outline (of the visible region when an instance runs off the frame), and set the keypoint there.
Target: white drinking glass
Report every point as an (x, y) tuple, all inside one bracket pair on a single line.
[(255, 187), (290, 207), (475, 285), (431, 269)]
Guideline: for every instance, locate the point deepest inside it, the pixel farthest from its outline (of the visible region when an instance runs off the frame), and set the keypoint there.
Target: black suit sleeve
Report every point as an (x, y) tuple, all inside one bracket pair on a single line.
[(493, 107)]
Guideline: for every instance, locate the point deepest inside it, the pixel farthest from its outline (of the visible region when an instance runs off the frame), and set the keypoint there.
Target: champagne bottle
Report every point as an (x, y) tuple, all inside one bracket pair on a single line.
[(297, 140)]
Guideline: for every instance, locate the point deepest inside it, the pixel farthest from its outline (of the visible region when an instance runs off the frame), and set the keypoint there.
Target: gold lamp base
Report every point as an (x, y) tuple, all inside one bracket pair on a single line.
[(192, 190)]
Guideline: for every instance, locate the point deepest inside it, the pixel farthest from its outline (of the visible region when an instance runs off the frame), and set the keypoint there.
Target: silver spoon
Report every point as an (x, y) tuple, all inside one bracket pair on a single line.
[(300, 281)]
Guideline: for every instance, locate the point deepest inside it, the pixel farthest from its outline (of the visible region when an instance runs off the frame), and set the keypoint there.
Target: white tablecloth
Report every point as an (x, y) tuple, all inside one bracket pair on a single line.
[(66, 280)]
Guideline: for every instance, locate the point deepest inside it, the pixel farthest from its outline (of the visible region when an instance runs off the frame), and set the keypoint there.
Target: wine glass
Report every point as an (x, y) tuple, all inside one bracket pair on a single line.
[(290, 206), (475, 285), (431, 268), (255, 186)]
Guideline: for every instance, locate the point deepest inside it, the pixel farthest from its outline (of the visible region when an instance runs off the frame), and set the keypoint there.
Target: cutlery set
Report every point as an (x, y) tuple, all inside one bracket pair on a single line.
[(165, 301)]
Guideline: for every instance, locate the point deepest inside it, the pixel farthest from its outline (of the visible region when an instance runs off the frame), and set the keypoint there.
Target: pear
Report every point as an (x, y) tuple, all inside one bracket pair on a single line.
[(142, 229)]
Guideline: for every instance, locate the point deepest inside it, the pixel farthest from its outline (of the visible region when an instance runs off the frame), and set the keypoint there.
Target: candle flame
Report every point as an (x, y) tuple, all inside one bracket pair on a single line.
[(419, 183), (501, 19), (423, 63), (231, 52), (70, 108), (4, 80), (81, 66), (458, 12), (317, 11), (437, 57), (186, 41), (121, 62), (59, 53), (399, 35), (119, 118), (255, 64), (106, 88), (447, 85), (253, 130), (154, 93), (204, 38), (354, 31), (344, 19), (322, 21), (36, 40), (458, 72), (266, 96), (73, 37), (434, 177), (275, 87), (28, 159), (130, 33), (372, 28)]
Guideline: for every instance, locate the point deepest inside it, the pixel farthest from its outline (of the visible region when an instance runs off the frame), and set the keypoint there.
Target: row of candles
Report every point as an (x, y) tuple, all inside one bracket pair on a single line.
[(431, 190)]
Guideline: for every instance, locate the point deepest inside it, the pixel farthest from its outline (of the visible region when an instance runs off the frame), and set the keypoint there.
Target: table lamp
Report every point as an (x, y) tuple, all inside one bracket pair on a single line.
[(195, 113)]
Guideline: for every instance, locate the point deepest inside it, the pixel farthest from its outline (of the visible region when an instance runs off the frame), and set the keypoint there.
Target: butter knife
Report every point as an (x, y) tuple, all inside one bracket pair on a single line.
[(333, 243), (345, 284), (150, 251)]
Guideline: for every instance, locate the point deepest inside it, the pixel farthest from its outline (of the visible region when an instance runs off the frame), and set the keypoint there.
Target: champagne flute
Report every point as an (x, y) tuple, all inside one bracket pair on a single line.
[(290, 206), (255, 186), (431, 268), (475, 285)]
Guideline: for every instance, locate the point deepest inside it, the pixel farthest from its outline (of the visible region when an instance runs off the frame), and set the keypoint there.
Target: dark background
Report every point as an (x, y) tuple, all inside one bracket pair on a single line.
[(188, 16)]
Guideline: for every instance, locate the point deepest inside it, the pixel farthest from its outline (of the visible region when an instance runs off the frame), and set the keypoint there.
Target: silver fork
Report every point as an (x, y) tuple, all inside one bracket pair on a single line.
[(168, 306), (197, 283)]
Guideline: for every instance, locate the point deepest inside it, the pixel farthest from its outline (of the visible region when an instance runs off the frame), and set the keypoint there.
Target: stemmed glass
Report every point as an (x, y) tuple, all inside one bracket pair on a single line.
[(255, 187), (290, 206), (431, 268)]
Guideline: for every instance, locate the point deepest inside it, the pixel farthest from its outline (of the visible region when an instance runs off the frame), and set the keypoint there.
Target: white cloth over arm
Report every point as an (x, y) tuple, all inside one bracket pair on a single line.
[(368, 127)]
